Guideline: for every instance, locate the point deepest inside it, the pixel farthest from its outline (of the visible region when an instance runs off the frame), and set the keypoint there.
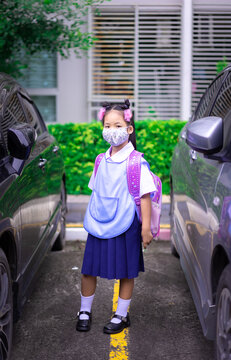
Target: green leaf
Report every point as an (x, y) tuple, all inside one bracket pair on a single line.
[(82, 142)]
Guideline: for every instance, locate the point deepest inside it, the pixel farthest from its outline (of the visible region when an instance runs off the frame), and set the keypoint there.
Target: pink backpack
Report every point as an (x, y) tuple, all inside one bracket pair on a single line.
[(133, 177)]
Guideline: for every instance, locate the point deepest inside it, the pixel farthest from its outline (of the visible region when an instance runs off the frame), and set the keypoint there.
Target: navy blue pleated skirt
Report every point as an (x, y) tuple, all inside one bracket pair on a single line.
[(115, 258)]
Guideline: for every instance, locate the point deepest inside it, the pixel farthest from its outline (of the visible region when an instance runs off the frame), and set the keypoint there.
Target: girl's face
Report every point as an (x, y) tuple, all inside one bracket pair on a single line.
[(114, 120), (116, 130)]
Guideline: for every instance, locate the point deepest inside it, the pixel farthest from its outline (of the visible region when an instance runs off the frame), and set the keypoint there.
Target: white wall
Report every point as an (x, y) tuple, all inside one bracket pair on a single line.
[(72, 89)]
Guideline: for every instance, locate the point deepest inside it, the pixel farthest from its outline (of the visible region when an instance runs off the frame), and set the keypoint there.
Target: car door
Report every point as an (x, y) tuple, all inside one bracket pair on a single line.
[(29, 194), (54, 167), (34, 198), (195, 179), (221, 204), (209, 172)]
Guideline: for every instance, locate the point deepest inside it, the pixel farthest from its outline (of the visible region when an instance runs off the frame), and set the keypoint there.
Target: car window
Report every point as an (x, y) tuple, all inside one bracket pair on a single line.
[(205, 103), (3, 151), (32, 116), (222, 108), (222, 105), (13, 114)]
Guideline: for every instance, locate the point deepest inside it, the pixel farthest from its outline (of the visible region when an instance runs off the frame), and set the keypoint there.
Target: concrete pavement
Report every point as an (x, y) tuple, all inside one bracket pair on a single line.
[(164, 322), (77, 205)]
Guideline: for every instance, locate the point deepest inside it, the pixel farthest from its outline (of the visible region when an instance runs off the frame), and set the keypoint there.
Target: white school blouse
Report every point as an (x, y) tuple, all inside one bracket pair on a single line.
[(111, 208), (146, 180)]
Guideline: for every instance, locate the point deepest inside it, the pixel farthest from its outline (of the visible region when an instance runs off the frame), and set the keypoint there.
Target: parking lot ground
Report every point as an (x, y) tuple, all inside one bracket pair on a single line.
[(164, 323)]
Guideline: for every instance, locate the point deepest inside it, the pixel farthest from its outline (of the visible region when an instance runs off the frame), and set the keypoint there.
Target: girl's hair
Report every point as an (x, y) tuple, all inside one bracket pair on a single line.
[(121, 107)]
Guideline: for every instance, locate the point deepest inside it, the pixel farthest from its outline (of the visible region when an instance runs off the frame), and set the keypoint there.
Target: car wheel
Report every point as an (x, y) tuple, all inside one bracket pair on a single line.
[(174, 251), (223, 306), (6, 308), (60, 241)]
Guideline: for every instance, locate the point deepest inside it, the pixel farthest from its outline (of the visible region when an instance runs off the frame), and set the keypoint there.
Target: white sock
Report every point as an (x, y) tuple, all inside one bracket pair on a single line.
[(122, 309), (86, 303)]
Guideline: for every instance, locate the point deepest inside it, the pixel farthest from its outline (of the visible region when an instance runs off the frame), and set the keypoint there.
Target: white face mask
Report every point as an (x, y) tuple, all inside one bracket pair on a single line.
[(116, 137)]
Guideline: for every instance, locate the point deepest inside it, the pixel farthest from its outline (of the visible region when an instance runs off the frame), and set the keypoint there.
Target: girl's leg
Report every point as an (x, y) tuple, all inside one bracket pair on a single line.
[(125, 294), (126, 288), (88, 286)]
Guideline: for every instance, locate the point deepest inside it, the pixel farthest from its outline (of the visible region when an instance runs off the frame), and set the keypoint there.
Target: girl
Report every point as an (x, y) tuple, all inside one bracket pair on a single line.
[(113, 249)]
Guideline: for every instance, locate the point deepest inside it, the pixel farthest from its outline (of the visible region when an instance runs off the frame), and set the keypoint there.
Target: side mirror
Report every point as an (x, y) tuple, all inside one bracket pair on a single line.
[(205, 135), (21, 138)]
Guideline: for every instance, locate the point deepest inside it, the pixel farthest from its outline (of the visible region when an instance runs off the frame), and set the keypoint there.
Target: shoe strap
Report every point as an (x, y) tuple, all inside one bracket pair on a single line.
[(120, 317), (84, 312)]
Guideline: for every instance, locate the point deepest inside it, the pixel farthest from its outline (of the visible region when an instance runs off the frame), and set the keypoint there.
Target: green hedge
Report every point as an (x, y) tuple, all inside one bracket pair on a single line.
[(81, 143)]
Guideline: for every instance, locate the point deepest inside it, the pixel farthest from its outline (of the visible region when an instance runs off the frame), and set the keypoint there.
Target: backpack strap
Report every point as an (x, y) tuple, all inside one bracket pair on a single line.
[(98, 161), (133, 175), (158, 193)]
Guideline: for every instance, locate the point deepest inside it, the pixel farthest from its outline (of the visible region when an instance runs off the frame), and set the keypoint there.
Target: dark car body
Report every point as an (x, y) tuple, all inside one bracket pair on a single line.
[(201, 209), (32, 199)]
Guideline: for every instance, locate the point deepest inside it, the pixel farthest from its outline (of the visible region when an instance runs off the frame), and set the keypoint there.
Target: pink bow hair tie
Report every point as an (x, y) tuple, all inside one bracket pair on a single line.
[(127, 115), (101, 113)]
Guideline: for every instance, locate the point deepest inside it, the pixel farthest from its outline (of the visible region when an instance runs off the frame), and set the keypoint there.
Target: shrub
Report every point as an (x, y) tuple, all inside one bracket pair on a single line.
[(81, 143)]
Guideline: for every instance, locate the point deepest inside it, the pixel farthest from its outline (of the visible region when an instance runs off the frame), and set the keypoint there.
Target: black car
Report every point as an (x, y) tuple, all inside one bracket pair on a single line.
[(201, 210), (32, 201)]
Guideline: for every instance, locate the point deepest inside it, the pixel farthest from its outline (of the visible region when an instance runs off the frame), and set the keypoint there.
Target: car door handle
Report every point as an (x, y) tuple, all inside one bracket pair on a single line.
[(193, 155), (42, 163), (55, 149)]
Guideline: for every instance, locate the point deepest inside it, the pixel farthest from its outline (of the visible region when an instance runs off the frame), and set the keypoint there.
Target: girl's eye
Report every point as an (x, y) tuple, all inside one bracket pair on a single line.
[(118, 126)]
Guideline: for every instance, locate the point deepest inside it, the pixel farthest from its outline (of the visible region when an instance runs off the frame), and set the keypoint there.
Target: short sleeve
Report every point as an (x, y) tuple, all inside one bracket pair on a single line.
[(146, 180)]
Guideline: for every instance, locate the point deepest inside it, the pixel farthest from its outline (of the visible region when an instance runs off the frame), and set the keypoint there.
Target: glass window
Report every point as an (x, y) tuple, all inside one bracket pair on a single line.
[(222, 108), (222, 105), (205, 102), (41, 71), (3, 151), (32, 116), (13, 114), (46, 106)]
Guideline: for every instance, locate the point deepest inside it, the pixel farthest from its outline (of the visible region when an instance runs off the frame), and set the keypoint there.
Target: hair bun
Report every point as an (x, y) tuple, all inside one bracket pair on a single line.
[(106, 105), (127, 103)]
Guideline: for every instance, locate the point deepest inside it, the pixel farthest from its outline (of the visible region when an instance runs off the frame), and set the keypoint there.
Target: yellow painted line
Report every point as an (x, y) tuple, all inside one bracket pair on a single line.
[(74, 225), (165, 226), (118, 342), (80, 225)]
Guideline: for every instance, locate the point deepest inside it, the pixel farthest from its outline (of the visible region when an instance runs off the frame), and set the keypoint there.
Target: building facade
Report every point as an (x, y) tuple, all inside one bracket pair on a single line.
[(161, 54)]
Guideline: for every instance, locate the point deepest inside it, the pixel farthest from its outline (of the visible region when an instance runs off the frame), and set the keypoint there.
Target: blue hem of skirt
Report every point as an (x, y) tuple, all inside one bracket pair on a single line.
[(119, 257)]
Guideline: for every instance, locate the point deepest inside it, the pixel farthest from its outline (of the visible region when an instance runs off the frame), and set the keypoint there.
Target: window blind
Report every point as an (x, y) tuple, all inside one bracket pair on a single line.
[(41, 71), (137, 56), (159, 52), (113, 55)]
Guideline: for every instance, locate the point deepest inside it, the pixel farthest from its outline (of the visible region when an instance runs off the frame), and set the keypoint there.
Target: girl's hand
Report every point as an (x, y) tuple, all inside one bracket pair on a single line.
[(147, 237)]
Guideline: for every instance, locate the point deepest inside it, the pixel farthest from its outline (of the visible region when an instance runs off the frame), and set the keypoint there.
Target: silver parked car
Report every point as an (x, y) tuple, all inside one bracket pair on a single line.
[(201, 210)]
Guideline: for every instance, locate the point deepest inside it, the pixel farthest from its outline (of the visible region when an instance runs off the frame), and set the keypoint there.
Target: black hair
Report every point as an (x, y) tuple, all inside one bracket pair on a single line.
[(121, 107)]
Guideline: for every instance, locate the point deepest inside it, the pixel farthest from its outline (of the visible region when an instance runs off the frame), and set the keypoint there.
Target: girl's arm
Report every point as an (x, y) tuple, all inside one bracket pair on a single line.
[(146, 219)]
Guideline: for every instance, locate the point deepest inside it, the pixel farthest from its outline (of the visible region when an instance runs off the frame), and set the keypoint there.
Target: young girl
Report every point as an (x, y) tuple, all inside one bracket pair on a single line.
[(114, 244)]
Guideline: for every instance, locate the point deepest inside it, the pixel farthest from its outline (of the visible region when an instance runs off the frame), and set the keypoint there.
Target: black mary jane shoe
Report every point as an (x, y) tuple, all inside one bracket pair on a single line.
[(84, 325), (112, 328)]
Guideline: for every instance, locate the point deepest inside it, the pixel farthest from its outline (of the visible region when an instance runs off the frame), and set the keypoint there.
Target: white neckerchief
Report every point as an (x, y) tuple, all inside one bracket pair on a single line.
[(120, 155)]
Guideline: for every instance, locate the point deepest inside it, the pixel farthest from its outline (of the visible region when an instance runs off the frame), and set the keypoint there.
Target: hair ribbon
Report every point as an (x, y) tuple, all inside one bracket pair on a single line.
[(127, 115), (101, 113)]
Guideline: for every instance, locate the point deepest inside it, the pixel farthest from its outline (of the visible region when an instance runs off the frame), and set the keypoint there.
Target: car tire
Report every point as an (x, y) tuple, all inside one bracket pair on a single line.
[(223, 316), (174, 251), (60, 241), (6, 308)]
